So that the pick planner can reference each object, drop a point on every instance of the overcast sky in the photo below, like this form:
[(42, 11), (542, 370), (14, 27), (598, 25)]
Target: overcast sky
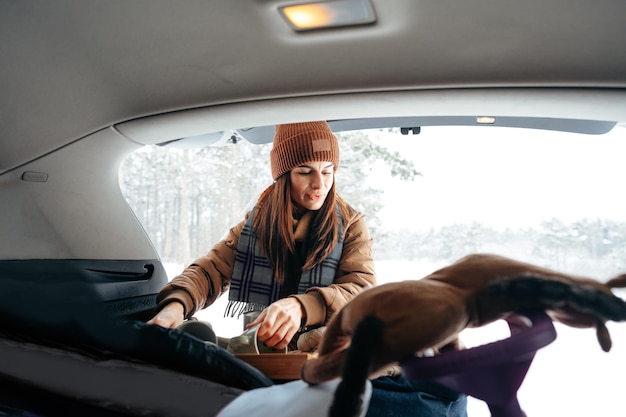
[(506, 178)]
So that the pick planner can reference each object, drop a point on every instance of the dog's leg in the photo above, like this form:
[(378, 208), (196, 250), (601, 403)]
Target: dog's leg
[(358, 365), (574, 305)]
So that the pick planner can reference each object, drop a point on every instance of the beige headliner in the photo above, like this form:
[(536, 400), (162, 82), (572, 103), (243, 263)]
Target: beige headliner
[(71, 68)]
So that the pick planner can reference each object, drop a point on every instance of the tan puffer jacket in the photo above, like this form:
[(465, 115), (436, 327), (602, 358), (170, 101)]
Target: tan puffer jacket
[(208, 277)]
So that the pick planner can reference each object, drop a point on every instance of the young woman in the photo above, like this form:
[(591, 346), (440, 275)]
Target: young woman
[(299, 256)]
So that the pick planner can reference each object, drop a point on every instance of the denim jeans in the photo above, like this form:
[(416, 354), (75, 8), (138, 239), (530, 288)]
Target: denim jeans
[(399, 397)]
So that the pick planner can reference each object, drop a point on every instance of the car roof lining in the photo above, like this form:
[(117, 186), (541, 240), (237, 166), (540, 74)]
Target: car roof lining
[(73, 73), (592, 111)]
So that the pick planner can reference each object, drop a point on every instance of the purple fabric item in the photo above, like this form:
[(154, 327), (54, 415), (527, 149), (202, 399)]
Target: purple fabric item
[(492, 372)]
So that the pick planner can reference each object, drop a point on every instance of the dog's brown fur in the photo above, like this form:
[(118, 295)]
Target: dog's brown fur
[(478, 289)]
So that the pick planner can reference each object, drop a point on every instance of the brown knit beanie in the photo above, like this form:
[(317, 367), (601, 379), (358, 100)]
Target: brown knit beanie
[(299, 143)]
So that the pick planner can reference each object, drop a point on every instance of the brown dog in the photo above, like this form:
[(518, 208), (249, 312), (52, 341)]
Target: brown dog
[(430, 313)]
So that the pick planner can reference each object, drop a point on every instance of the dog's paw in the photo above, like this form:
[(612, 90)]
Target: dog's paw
[(309, 341)]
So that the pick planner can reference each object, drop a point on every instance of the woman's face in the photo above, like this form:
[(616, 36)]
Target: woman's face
[(310, 184)]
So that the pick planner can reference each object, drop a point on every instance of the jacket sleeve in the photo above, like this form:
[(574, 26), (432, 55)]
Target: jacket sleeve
[(206, 278), (355, 273)]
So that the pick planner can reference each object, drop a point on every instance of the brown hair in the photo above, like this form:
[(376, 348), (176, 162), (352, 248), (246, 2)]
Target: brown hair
[(274, 227)]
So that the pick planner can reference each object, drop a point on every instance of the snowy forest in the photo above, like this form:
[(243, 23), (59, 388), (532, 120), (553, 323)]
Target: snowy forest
[(187, 199)]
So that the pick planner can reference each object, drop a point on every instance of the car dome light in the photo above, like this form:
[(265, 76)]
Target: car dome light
[(328, 14), (485, 120)]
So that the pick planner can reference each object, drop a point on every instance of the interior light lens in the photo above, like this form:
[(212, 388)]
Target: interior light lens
[(326, 14), (486, 120)]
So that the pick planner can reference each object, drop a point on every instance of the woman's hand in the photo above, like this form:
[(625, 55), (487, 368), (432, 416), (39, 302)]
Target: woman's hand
[(279, 322), (170, 316)]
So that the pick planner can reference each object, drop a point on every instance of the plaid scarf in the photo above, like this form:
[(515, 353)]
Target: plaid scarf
[(252, 285)]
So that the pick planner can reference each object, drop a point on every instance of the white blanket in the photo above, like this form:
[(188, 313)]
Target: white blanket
[(292, 399)]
